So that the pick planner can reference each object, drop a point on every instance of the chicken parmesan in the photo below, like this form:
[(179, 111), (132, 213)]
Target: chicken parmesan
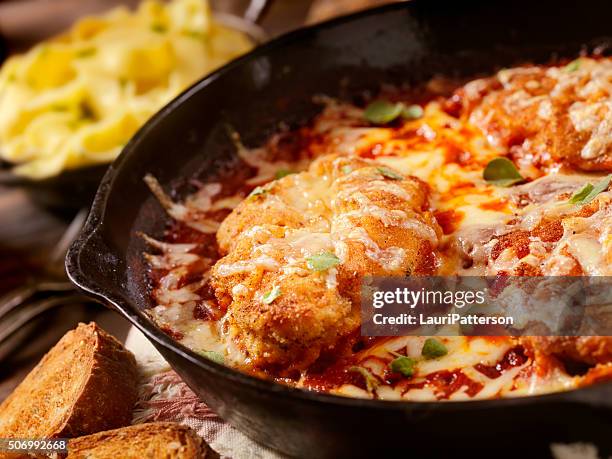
[(507, 175)]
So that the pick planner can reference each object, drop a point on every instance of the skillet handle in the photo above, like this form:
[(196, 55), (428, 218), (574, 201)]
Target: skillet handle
[(89, 263), (92, 267)]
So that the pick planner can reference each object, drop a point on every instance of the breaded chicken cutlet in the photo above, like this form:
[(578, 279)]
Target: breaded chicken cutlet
[(547, 115), (297, 250)]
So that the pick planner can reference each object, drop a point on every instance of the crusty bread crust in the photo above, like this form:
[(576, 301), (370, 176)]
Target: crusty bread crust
[(86, 383), (167, 440)]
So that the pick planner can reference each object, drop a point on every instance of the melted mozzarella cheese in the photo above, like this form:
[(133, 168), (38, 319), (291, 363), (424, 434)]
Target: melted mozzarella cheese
[(450, 157)]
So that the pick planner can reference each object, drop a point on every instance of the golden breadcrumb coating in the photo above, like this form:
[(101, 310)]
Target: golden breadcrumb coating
[(547, 115), (355, 217)]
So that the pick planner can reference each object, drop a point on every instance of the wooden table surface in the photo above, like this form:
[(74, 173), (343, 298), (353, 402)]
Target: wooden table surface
[(27, 235)]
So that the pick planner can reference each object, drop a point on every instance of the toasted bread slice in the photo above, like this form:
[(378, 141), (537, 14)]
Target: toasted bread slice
[(166, 440), (86, 383)]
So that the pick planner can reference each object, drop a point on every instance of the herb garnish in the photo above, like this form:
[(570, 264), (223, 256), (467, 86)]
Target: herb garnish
[(405, 366), (193, 34), (588, 192), (412, 112), (502, 172), (383, 112), (581, 194), (370, 380), (86, 52), (158, 28), (572, 66), (389, 173), (272, 295), (257, 191), (322, 262), (282, 173), (212, 355), (433, 349)]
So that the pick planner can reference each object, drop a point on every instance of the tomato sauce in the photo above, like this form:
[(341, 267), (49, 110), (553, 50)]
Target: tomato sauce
[(515, 357), (498, 205), (449, 220)]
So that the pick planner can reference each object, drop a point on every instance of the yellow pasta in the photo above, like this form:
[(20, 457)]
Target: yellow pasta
[(75, 100)]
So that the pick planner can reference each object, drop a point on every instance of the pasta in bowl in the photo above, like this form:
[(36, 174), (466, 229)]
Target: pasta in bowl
[(75, 100)]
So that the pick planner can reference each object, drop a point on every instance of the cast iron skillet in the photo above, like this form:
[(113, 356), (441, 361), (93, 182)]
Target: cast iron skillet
[(275, 83)]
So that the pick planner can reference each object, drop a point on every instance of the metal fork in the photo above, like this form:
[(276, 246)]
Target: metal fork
[(248, 21), (23, 304)]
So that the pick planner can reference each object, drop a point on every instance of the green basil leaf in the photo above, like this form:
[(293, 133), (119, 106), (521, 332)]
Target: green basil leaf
[(257, 191), (582, 193), (346, 169), (502, 172), (404, 366), (389, 173), (86, 52), (282, 173), (432, 349), (272, 295), (322, 262), (572, 66), (412, 112), (371, 382), (158, 28), (214, 356), (195, 34), (382, 112), (590, 192)]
